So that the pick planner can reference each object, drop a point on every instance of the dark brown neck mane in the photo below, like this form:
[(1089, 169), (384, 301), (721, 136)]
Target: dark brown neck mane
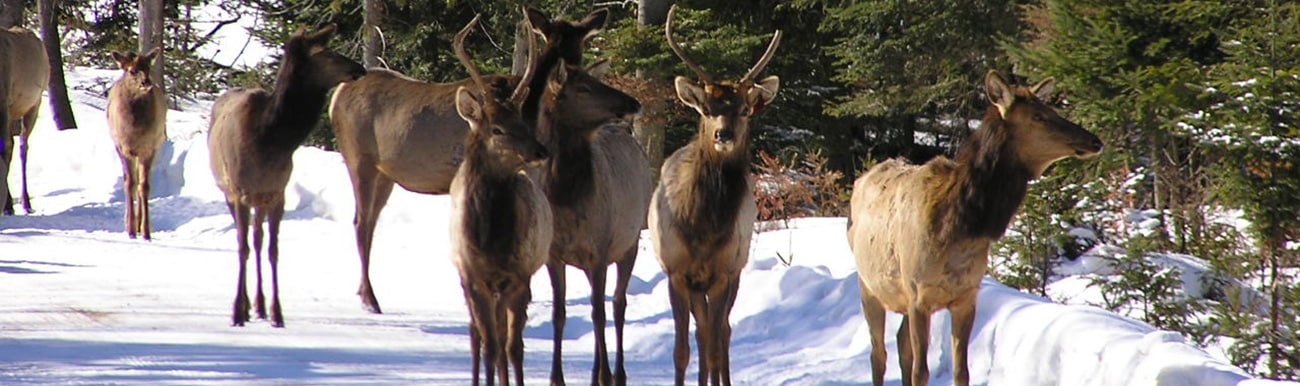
[(989, 185), (490, 201), (719, 184), (569, 173), (294, 107)]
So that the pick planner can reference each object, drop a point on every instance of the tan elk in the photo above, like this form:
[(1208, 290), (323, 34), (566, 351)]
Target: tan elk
[(702, 214), (598, 182), (137, 121), (253, 134), (392, 129), (921, 233), (24, 76), (500, 220)]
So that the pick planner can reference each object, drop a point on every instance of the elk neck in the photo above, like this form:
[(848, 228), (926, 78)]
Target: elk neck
[(294, 108), (569, 175), (714, 185), (989, 184), (490, 203)]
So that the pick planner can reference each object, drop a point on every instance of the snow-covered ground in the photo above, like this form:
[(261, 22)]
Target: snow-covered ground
[(80, 303)]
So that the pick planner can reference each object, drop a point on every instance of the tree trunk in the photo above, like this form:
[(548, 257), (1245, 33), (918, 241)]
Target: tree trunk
[(63, 118), (374, 42), (649, 126), (151, 35), (519, 60), (12, 13)]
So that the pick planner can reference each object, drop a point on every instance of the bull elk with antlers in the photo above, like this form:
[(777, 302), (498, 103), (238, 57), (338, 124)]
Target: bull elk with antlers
[(252, 136), (702, 214), (921, 233), (137, 121), (500, 220), (24, 75), (392, 129)]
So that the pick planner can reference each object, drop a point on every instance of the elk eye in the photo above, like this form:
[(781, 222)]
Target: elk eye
[(498, 131), (1039, 117)]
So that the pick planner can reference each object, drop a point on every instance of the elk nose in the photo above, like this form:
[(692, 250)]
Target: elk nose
[(724, 136), (542, 153)]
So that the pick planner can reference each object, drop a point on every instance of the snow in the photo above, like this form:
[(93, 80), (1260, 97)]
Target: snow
[(83, 304)]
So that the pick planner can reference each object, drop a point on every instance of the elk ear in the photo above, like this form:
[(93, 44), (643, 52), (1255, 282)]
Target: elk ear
[(998, 92), (469, 106), (597, 70), (763, 93), (558, 76), (120, 58), (149, 57), (690, 93), (594, 22), (538, 22), (322, 35), (1044, 88)]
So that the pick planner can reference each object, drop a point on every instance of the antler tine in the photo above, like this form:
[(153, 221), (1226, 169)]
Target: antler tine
[(459, 45), (521, 90), (762, 62), (668, 33)]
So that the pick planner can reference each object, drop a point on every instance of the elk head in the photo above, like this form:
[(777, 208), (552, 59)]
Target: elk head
[(725, 107), (496, 124), (1037, 134), (136, 69), (579, 100), (553, 33), (316, 64)]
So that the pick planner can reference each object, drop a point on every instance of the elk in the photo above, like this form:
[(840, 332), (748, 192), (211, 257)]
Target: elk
[(921, 233), (394, 129), (252, 136), (702, 214), (598, 183), (500, 220), (24, 76), (137, 121)]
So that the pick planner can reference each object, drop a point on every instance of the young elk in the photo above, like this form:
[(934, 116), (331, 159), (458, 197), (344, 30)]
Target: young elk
[(598, 183), (500, 220), (253, 134), (702, 214), (921, 233), (137, 121), (392, 129), (24, 75)]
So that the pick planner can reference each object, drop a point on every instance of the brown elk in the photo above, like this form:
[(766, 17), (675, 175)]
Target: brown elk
[(500, 220), (24, 75), (599, 185), (394, 129), (702, 214), (921, 233), (137, 121), (253, 134)]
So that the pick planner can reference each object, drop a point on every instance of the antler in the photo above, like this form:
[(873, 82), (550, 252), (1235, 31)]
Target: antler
[(459, 45), (668, 32), (521, 90), (762, 62)]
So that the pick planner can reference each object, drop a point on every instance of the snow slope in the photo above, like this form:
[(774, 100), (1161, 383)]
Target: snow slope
[(82, 304)]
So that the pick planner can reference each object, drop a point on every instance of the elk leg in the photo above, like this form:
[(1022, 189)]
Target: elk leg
[(963, 320), (368, 188), (7, 149), (240, 213), (128, 193), (724, 335), (501, 313), (600, 369), (483, 318), (273, 251), (904, 342), (259, 300), (874, 312), (555, 268), (145, 166), (518, 320), (624, 267), (703, 334), (475, 340), (22, 155), (681, 306), (919, 323)]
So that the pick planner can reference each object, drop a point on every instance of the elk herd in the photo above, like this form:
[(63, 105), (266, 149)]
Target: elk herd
[(542, 170)]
